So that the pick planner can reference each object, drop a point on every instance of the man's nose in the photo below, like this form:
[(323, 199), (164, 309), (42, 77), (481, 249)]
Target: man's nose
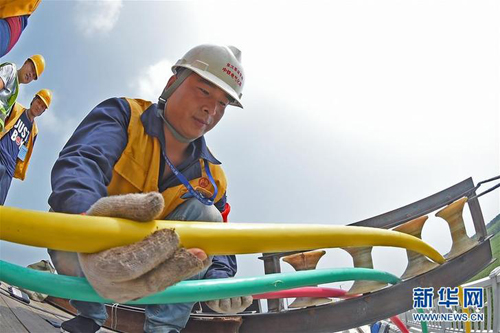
[(210, 108)]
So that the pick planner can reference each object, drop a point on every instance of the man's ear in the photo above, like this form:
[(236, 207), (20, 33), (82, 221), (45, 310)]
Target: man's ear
[(170, 82)]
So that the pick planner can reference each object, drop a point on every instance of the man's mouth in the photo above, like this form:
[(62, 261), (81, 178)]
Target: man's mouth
[(202, 122)]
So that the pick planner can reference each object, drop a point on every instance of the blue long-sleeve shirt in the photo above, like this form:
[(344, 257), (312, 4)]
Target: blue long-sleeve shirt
[(84, 168), (11, 29)]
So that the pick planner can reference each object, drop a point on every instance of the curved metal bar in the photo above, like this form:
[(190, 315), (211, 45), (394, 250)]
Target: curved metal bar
[(419, 208), (369, 308)]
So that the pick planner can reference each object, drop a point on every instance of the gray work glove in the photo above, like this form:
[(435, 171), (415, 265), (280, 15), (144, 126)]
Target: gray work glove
[(134, 271), (230, 305)]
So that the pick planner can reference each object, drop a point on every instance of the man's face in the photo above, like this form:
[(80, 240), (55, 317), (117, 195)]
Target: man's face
[(37, 107), (27, 73), (196, 106)]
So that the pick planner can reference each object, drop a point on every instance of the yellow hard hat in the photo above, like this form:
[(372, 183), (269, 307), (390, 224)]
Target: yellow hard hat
[(39, 63), (46, 96)]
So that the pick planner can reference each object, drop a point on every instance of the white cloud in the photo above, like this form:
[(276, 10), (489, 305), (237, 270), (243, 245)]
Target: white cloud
[(97, 16), (51, 121), (153, 79), (24, 97)]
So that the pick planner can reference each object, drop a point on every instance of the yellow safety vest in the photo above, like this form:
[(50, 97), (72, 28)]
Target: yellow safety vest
[(9, 8), (21, 166), (138, 168)]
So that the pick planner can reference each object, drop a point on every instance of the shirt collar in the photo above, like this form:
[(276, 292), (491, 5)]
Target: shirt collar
[(153, 125)]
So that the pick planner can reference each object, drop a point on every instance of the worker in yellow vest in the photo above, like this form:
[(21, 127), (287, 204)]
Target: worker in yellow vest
[(18, 140), (132, 157), (11, 77)]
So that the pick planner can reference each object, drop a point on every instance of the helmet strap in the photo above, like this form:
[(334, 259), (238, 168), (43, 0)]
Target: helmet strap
[(162, 105)]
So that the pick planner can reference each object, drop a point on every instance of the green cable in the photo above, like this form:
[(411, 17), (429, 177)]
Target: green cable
[(77, 288), (423, 324)]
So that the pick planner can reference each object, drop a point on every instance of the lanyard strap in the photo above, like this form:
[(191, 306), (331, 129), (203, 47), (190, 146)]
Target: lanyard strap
[(184, 181)]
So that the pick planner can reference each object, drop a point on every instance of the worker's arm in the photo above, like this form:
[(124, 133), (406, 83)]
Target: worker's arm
[(84, 168), (7, 73), (11, 29), (222, 267)]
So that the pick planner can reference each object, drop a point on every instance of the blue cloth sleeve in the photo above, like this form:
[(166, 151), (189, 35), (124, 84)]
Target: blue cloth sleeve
[(222, 267), (4, 37), (84, 168), (24, 21), (221, 204)]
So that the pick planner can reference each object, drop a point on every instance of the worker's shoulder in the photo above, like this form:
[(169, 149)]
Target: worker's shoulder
[(7, 65), (7, 68), (137, 102), (18, 106), (115, 109)]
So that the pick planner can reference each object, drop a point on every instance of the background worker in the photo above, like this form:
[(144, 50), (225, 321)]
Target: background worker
[(11, 77), (135, 146), (18, 140), (14, 16)]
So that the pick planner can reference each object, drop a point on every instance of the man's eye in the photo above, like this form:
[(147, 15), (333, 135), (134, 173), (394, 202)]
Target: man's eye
[(203, 91)]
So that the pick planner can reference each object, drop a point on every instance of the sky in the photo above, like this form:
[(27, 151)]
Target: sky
[(351, 108)]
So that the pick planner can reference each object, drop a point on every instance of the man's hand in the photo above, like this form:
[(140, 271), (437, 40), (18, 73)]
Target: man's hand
[(141, 207), (133, 271), (230, 305)]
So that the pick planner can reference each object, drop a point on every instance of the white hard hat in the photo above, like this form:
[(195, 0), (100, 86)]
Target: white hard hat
[(220, 65)]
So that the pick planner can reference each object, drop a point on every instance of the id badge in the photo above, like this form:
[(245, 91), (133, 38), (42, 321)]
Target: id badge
[(22, 153)]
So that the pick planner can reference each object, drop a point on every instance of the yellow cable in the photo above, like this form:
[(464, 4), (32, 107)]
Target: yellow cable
[(464, 310), (88, 234)]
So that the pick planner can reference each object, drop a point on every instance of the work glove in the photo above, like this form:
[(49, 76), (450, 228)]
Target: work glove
[(134, 271), (230, 305)]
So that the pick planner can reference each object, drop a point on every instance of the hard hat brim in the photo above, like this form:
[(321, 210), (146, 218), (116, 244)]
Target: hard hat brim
[(39, 63), (44, 101), (36, 68)]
